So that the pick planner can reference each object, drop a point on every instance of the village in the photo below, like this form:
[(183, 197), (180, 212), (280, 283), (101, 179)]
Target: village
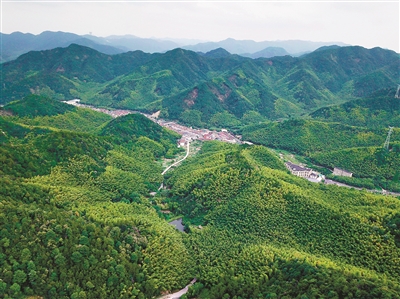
[(188, 134)]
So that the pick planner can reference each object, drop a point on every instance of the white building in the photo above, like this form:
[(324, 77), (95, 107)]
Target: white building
[(298, 170)]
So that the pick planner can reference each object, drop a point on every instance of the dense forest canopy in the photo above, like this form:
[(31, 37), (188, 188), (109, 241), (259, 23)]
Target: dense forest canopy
[(219, 90), (82, 214)]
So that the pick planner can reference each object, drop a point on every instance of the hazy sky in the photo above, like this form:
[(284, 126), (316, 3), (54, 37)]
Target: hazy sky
[(369, 24)]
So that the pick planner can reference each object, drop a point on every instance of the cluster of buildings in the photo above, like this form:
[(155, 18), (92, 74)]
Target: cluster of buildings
[(190, 134), (304, 172), (312, 175)]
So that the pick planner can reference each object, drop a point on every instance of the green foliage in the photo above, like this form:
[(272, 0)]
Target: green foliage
[(81, 226), (132, 126), (191, 118), (363, 161), (356, 149), (266, 232), (252, 117), (10, 129), (224, 119), (262, 156), (366, 183), (180, 80), (309, 137), (80, 120), (34, 105), (378, 110)]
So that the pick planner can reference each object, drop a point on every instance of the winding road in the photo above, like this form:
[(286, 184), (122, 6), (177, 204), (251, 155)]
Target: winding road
[(177, 162), (178, 294), (174, 164)]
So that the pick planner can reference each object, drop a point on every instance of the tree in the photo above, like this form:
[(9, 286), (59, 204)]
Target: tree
[(19, 277), (25, 255)]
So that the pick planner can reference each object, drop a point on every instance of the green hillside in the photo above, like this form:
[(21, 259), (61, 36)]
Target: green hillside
[(278, 87), (75, 219), (43, 112), (34, 105), (268, 234), (381, 109), (309, 137), (357, 149), (64, 73), (366, 162)]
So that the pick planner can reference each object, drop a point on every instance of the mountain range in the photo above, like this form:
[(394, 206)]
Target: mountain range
[(215, 88), (17, 43), (83, 214)]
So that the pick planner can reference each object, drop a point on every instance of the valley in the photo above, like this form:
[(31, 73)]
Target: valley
[(189, 134), (82, 213)]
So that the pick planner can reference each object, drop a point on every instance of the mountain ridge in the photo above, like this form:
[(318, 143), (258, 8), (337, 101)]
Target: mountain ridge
[(17, 43), (277, 87)]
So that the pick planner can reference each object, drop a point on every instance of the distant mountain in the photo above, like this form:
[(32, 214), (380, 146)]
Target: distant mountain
[(17, 43), (233, 46), (133, 43), (216, 88), (267, 53), (217, 53), (323, 48)]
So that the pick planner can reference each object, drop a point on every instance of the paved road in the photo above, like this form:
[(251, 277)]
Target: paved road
[(177, 162), (178, 294), (331, 182), (174, 164)]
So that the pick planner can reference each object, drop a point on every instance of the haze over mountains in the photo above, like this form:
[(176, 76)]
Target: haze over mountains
[(18, 43)]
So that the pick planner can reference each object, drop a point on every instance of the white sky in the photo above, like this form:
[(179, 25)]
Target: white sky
[(363, 23)]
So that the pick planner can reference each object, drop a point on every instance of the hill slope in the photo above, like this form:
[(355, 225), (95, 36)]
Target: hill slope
[(77, 219), (84, 227), (381, 109), (263, 230), (278, 87)]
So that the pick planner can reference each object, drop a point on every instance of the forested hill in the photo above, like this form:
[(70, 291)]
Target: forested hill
[(381, 109), (75, 215), (356, 149), (77, 219), (212, 89), (267, 234)]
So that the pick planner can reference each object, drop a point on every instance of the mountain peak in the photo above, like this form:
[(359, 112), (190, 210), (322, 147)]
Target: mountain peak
[(217, 53)]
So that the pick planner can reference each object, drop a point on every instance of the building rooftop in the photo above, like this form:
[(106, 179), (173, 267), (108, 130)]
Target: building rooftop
[(295, 167)]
